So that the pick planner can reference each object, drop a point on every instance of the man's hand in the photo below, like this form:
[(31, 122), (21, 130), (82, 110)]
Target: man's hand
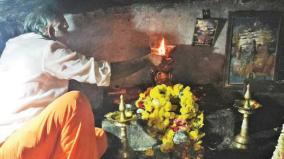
[(125, 68), (154, 59)]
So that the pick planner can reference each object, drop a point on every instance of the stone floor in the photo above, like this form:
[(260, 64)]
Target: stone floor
[(222, 122), (217, 146)]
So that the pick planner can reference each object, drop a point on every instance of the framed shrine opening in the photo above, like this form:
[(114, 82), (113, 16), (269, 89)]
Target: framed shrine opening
[(252, 48)]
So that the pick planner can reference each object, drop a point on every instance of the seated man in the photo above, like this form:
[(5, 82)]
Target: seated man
[(39, 119)]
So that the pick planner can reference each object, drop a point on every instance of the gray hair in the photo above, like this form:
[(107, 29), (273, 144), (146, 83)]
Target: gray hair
[(38, 20)]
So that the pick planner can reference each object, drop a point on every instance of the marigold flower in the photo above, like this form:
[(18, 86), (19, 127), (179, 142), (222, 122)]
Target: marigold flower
[(197, 146), (145, 115), (148, 108), (166, 122), (166, 117), (193, 135), (168, 106)]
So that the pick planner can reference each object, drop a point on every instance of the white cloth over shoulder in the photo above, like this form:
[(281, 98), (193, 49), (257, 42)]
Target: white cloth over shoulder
[(34, 71)]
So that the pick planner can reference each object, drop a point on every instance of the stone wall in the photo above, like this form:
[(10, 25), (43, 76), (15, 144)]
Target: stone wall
[(118, 30), (125, 32)]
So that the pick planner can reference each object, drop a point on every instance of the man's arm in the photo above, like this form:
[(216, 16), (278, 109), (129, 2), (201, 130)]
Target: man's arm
[(63, 63), (126, 68)]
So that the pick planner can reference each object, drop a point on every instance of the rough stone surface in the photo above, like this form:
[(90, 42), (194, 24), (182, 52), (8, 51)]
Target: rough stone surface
[(220, 127), (220, 123), (139, 140)]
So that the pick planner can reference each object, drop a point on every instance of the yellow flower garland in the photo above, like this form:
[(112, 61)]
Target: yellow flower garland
[(169, 109)]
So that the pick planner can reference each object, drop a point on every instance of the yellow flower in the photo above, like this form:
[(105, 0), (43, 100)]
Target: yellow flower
[(163, 101), (173, 115), (186, 90), (145, 115), (167, 141), (160, 126), (148, 108), (197, 122), (196, 135), (161, 87), (154, 114), (186, 102), (193, 135), (166, 122), (176, 90), (169, 91), (200, 118), (183, 116), (154, 93), (156, 102), (197, 146), (160, 114), (142, 95), (166, 147), (147, 101), (167, 114), (168, 106), (170, 133), (184, 110)]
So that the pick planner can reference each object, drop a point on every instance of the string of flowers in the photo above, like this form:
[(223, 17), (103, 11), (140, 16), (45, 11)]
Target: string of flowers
[(172, 115)]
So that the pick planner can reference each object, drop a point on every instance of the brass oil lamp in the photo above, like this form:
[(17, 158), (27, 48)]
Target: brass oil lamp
[(242, 140), (122, 120)]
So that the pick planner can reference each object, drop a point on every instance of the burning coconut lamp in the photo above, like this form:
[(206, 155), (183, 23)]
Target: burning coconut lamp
[(163, 73)]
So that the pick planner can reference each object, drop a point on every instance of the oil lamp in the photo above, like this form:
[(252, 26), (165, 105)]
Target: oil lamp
[(242, 140), (163, 73), (122, 121)]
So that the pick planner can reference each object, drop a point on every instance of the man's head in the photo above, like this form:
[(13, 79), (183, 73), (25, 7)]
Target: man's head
[(48, 22)]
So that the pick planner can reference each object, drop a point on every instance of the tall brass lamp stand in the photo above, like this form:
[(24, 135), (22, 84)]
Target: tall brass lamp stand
[(120, 120), (242, 140)]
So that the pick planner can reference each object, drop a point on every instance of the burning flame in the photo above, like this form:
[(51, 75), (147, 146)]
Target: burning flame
[(162, 48)]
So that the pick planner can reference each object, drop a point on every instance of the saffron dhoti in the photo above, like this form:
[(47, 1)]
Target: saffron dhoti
[(63, 130)]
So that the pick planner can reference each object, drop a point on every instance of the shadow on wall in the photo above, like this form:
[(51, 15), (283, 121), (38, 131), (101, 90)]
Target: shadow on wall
[(197, 65), (110, 37), (113, 37)]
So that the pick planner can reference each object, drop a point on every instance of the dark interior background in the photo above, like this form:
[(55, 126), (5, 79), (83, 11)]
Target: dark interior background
[(117, 30)]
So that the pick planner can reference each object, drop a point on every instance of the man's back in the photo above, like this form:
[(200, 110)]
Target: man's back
[(25, 87)]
